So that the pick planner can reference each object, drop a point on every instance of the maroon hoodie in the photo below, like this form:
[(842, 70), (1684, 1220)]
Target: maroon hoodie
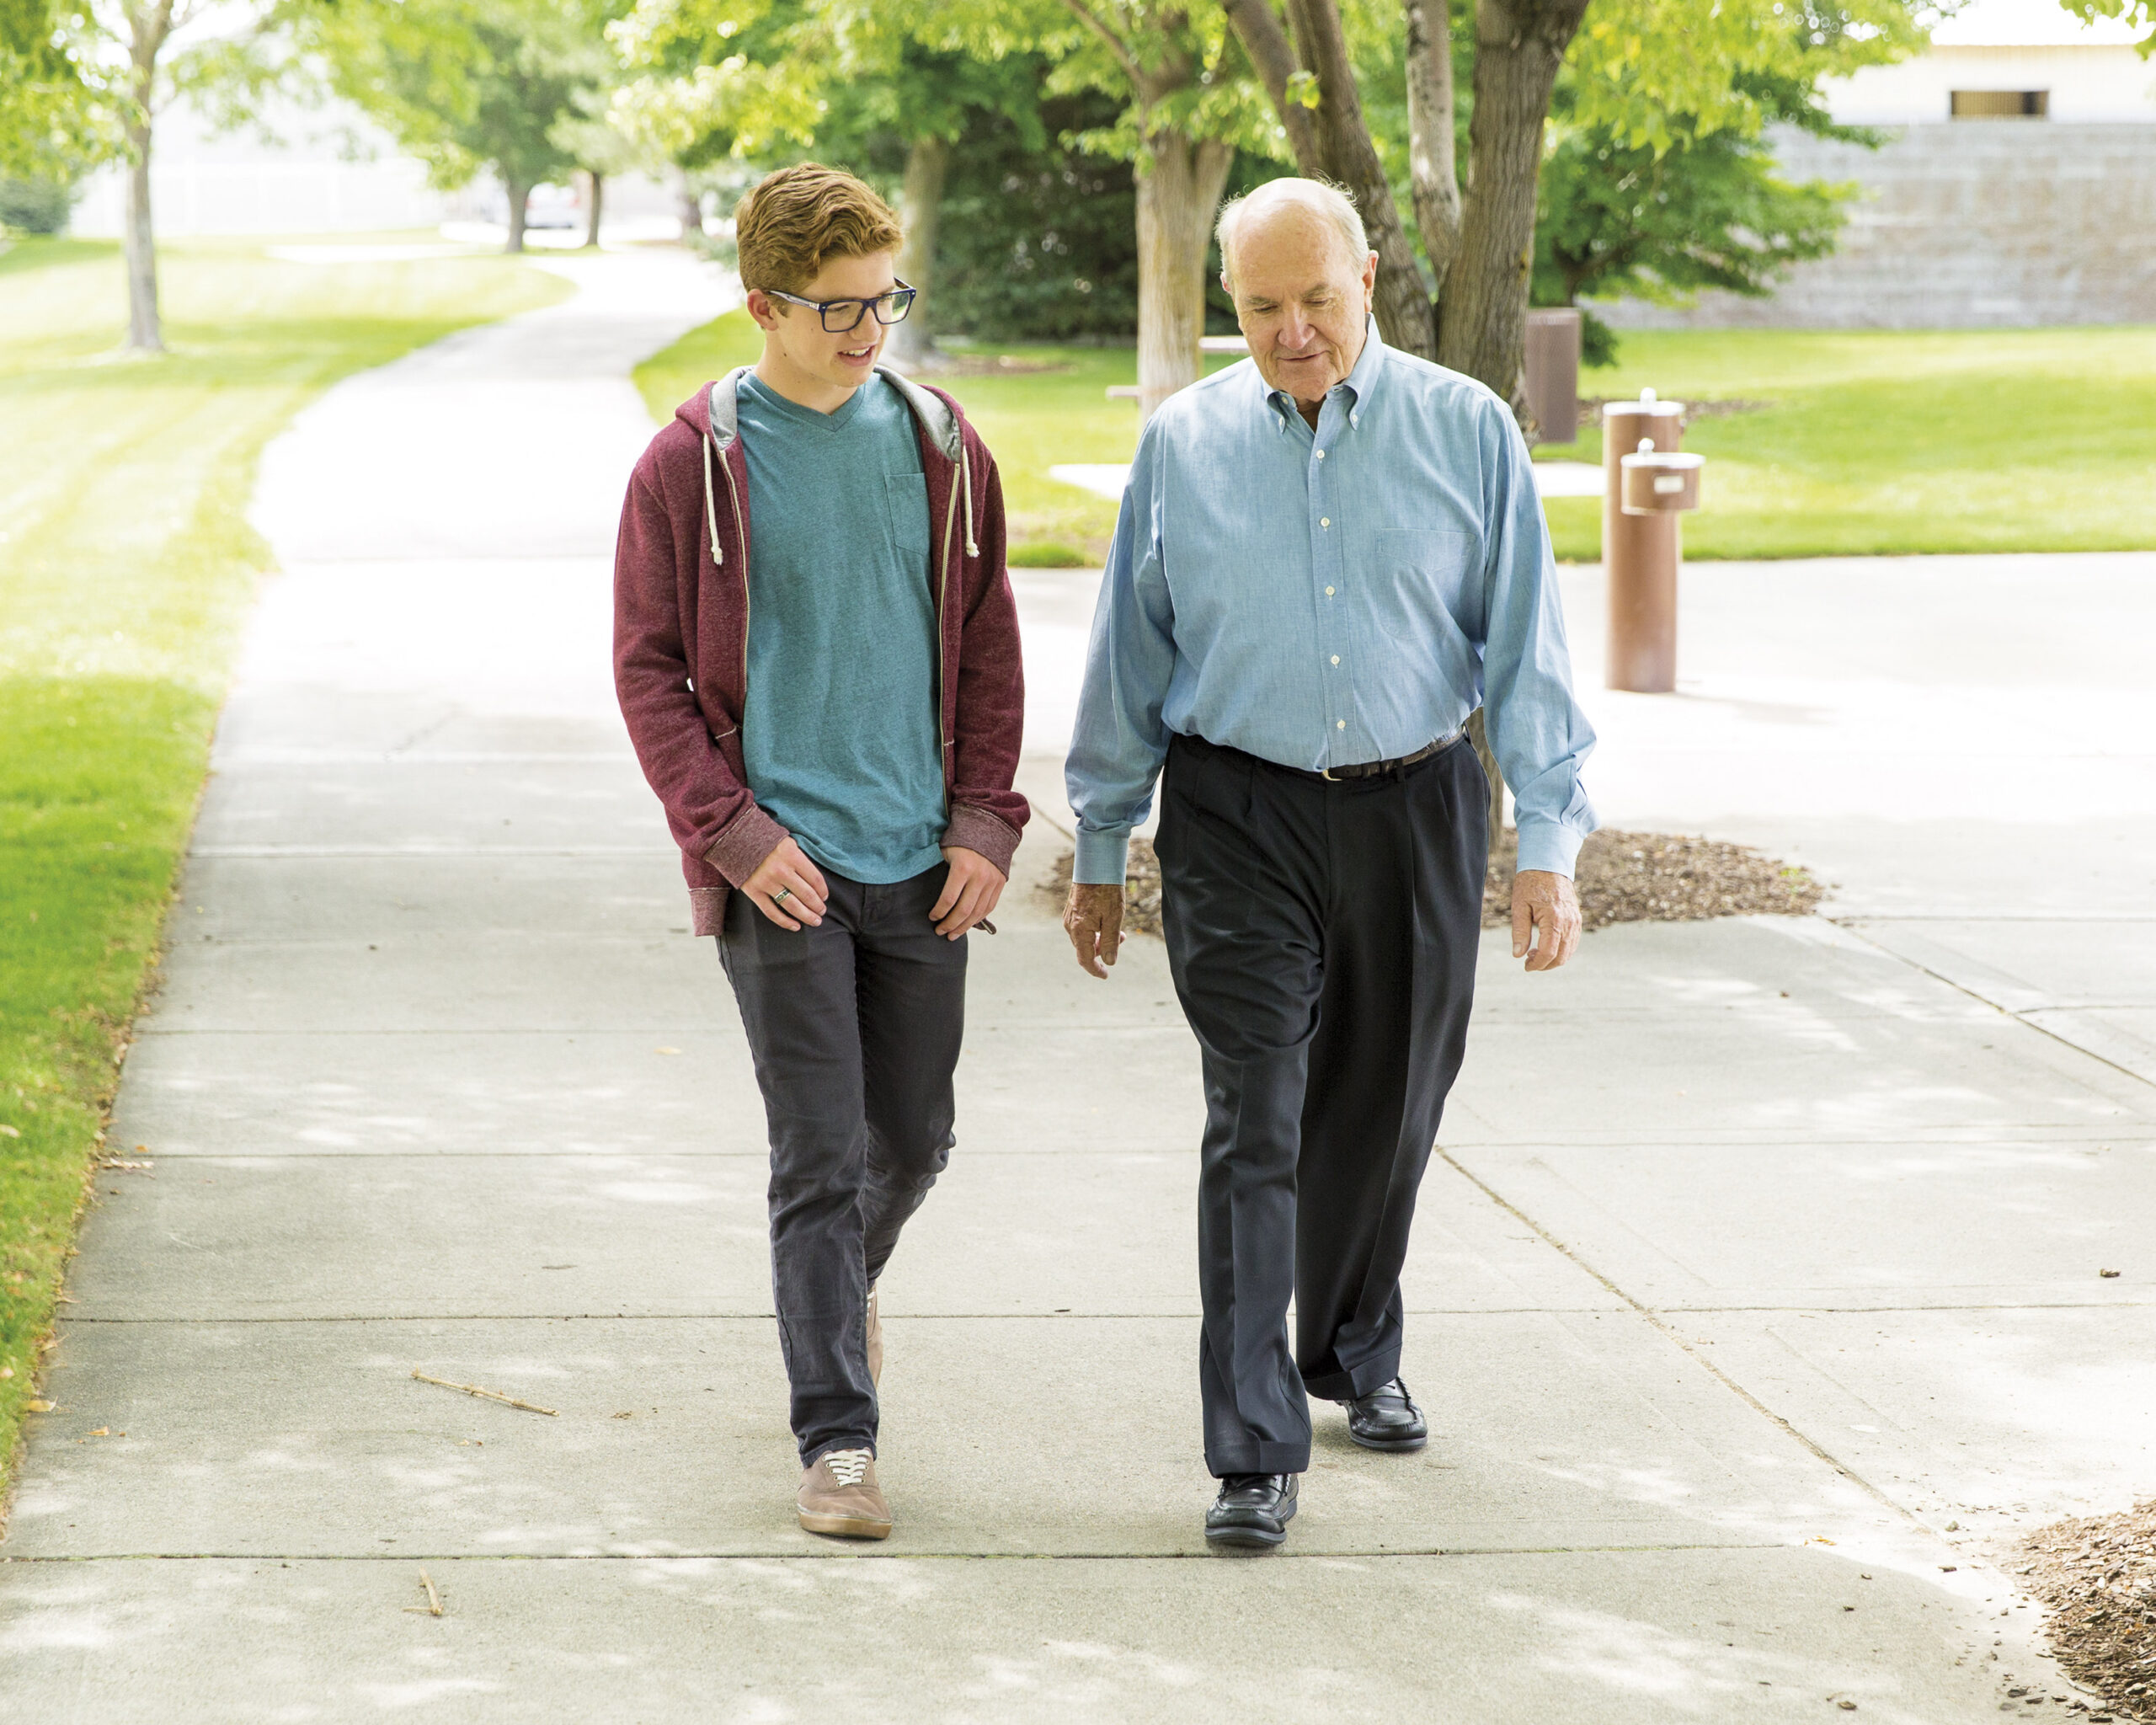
[(681, 638)]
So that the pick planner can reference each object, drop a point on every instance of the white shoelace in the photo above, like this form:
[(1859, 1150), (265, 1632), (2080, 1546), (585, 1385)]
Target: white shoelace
[(847, 1466)]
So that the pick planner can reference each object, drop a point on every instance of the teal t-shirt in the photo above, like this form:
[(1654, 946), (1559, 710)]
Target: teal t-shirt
[(839, 729)]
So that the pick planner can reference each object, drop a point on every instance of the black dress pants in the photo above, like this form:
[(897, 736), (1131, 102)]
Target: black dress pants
[(854, 1026), (1322, 937)]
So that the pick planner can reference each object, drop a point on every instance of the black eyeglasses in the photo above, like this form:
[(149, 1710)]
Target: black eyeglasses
[(890, 308)]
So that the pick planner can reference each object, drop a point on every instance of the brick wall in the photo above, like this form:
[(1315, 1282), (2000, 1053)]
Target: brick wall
[(1962, 225)]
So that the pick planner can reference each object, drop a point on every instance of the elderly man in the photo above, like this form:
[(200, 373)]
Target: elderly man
[(1327, 560)]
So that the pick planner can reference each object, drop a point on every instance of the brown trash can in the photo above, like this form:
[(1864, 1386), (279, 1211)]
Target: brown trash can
[(1553, 372)]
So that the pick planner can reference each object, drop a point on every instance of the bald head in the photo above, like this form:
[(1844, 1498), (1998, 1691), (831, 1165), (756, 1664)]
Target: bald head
[(1294, 259), (1297, 210)]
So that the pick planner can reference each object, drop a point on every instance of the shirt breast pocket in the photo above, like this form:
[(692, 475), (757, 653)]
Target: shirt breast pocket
[(905, 513), (1416, 576)]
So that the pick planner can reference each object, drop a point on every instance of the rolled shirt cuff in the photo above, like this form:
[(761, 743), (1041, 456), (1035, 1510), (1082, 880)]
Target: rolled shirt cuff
[(1103, 857), (1546, 846)]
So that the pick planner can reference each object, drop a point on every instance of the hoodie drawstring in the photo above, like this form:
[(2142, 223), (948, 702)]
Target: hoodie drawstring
[(711, 507), (966, 469)]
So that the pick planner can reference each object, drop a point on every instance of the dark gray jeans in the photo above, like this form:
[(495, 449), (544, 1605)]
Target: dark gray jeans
[(855, 1028)]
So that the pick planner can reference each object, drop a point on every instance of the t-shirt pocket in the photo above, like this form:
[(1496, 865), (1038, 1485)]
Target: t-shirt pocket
[(905, 516)]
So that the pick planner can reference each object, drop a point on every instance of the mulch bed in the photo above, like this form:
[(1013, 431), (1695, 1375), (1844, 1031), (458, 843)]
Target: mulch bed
[(1660, 877), (2097, 1574), (1621, 876)]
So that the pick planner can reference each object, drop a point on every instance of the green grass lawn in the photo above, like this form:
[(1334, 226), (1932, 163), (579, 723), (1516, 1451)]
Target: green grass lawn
[(126, 569), (1875, 442), (1885, 442)]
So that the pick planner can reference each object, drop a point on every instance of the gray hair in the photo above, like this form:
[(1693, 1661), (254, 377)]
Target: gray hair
[(1333, 202)]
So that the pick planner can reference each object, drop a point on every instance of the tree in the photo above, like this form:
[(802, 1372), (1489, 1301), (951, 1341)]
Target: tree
[(1709, 211), (1479, 241), (2141, 12), (1320, 110), (1642, 70), (51, 125), (87, 82), (465, 85)]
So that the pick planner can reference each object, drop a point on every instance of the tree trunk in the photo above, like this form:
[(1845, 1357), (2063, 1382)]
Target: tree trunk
[(920, 206), (519, 195), (145, 324), (598, 198), (1270, 51), (1350, 159), (1518, 47), (1179, 184), (691, 207), (1432, 164), (147, 27), (1332, 141)]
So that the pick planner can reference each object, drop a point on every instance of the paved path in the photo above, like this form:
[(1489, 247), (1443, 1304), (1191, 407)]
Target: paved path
[(1756, 1254)]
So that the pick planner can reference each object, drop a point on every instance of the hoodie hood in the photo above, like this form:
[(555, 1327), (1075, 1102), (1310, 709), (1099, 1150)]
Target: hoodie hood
[(712, 413)]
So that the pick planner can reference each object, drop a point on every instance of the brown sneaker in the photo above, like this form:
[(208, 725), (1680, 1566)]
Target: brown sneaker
[(840, 1495), (875, 1340)]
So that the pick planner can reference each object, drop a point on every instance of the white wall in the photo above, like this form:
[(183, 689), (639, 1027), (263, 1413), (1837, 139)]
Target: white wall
[(2088, 84), (201, 183), (2093, 71), (330, 171)]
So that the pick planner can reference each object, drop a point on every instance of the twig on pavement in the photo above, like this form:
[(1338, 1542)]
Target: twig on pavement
[(491, 1395), (433, 1606)]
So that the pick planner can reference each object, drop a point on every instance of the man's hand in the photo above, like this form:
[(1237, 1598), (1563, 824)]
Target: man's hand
[(970, 893), (1545, 903), (788, 872), (1093, 916)]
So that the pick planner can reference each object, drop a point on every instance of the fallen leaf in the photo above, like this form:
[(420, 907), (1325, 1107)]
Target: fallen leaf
[(676, 1051), (40, 1405), (2107, 1275), (103, 1431), (9, 1132), (6, 1371)]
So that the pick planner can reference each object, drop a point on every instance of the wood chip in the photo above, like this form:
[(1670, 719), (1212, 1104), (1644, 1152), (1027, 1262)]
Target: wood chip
[(490, 1394)]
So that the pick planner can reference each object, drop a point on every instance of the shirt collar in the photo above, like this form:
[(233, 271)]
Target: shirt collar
[(1358, 382)]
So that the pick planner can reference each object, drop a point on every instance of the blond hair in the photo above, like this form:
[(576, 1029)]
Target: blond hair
[(799, 217)]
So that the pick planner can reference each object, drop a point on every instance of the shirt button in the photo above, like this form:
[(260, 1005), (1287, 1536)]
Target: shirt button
[(1328, 592), (1320, 455), (1325, 520), (1340, 725), (1335, 657)]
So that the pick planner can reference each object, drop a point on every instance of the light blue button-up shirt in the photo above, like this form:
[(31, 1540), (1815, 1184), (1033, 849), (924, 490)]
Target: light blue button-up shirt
[(1323, 599)]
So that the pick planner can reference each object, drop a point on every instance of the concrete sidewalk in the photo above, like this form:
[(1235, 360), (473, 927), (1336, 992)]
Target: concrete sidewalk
[(1756, 1253)]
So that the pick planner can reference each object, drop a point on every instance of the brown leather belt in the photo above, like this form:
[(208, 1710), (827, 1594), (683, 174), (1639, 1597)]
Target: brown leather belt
[(1373, 769)]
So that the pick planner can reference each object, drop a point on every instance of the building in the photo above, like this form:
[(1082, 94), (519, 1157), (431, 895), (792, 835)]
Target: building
[(2017, 186)]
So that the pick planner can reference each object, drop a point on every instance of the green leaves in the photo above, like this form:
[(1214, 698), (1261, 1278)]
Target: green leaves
[(1646, 70)]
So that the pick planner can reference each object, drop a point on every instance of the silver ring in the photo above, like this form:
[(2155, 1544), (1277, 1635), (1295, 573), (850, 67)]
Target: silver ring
[(784, 893)]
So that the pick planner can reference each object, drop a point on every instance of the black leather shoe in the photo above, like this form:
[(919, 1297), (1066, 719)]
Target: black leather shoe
[(1252, 1511), (1387, 1418)]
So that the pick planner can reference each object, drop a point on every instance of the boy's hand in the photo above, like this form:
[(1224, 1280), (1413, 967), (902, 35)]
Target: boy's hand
[(968, 894), (787, 885)]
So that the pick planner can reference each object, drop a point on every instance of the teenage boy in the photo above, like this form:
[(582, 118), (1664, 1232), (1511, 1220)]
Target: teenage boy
[(830, 709)]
